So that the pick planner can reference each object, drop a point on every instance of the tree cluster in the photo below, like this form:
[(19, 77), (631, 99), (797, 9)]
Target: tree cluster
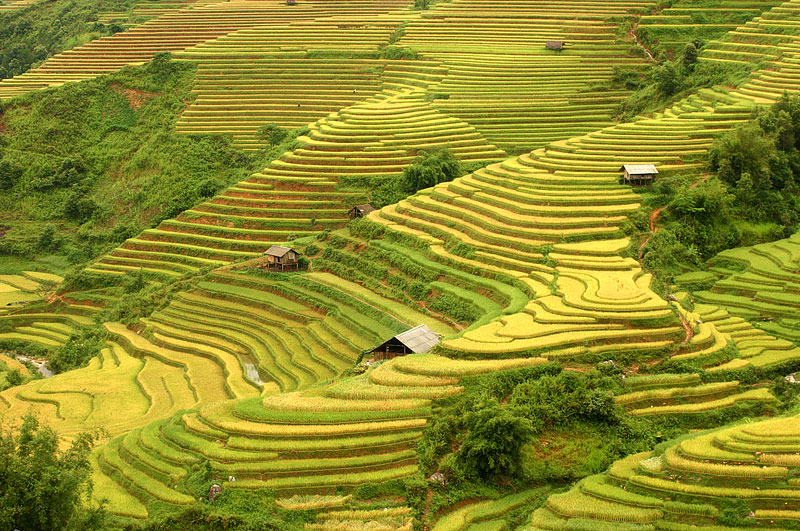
[(428, 169), (31, 35), (44, 488)]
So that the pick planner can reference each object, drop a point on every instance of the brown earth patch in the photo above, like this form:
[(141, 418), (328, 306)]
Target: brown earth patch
[(136, 98)]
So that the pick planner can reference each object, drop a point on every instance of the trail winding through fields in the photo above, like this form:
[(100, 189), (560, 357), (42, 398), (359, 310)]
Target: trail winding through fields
[(632, 33)]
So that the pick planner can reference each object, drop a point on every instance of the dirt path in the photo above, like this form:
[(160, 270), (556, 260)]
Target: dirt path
[(428, 499), (653, 229), (635, 37), (687, 328)]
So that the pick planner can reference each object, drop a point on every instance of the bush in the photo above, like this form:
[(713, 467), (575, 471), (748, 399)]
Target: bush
[(430, 169), (43, 488), (78, 350), (272, 134), (495, 437)]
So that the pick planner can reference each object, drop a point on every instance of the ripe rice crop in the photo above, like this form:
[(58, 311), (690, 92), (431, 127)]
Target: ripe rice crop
[(321, 404), (574, 504), (660, 394), (676, 462), (308, 502), (432, 365), (386, 512)]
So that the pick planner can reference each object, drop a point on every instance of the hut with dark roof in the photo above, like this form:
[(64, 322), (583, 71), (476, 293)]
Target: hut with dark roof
[(638, 174), (414, 341), (279, 257), (555, 45), (359, 211)]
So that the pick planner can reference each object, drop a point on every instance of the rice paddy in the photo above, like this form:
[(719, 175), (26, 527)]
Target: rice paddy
[(251, 372)]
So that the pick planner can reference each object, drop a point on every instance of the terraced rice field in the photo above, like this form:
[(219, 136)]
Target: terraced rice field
[(173, 31), (235, 336), (486, 515), (501, 78), (760, 284), (687, 485), (244, 370), (553, 245), (344, 433), (299, 194), (12, 5), (672, 27), (22, 297)]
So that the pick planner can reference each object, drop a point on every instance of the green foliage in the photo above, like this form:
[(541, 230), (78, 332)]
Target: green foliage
[(669, 81), (495, 437), (43, 487), (398, 53), (735, 513), (90, 164), (31, 35), (564, 399), (78, 350), (272, 134), (760, 164), (428, 169)]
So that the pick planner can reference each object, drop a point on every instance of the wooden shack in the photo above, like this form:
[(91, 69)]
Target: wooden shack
[(414, 341), (638, 174), (291, 2), (555, 45), (281, 258), (359, 211)]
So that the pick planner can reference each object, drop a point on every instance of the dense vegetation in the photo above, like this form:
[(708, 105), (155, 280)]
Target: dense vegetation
[(428, 169), (91, 164), (31, 35), (751, 196), (558, 360), (669, 80), (44, 487)]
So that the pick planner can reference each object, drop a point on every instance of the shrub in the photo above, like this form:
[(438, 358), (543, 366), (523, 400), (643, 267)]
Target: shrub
[(78, 350), (430, 169), (495, 437), (43, 487), (272, 133)]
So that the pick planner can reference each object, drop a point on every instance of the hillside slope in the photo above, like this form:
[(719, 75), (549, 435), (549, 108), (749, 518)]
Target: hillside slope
[(246, 375)]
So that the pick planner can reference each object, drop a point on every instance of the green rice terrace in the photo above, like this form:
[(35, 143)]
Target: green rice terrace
[(446, 265)]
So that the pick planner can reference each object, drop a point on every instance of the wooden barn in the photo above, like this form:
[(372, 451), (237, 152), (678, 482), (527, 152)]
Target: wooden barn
[(359, 211), (555, 45), (417, 340), (281, 257), (638, 174)]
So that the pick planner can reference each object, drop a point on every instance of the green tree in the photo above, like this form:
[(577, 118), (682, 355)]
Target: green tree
[(689, 58), (430, 169), (273, 134), (495, 437), (667, 79), (79, 348), (42, 487), (9, 174)]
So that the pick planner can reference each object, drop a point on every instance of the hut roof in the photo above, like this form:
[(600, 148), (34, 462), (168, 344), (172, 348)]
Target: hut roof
[(418, 339), (639, 169), (365, 209), (277, 250), (554, 45)]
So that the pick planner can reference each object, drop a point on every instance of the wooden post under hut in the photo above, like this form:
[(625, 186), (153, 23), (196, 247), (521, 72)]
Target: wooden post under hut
[(638, 174), (281, 258)]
